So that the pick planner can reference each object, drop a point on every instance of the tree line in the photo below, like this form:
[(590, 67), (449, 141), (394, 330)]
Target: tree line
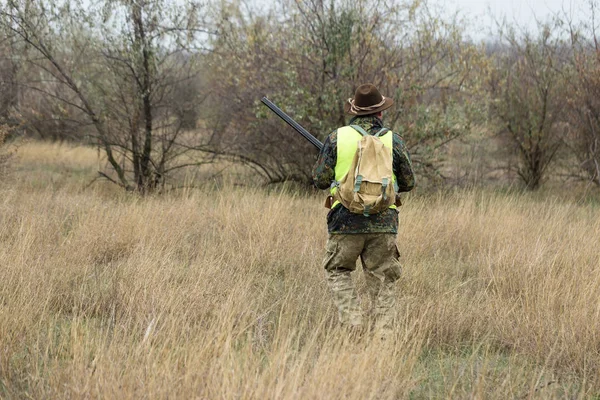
[(159, 86)]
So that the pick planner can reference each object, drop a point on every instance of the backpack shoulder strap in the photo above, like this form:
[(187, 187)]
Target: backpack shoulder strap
[(381, 132), (359, 130)]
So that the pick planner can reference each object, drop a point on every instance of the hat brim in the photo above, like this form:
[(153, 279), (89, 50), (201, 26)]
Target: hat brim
[(387, 104)]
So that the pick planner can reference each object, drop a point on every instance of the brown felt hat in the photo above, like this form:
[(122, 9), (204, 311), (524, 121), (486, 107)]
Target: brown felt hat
[(367, 100)]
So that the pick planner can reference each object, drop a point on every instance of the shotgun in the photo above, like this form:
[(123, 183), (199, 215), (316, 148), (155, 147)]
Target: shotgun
[(313, 140)]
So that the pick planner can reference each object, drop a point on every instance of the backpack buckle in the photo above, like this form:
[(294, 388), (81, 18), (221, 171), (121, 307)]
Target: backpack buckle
[(357, 183), (366, 211)]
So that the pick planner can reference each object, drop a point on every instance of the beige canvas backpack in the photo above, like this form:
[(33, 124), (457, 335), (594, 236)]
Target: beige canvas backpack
[(368, 187)]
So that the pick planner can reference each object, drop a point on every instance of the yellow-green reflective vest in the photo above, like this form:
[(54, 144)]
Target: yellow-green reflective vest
[(347, 143)]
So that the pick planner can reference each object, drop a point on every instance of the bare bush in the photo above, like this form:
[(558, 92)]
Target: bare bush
[(310, 56), (6, 154), (583, 105), (114, 67)]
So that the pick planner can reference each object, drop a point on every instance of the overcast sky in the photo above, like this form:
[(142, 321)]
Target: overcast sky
[(522, 12)]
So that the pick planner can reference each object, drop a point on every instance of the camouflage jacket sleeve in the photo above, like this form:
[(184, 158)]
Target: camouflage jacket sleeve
[(324, 170), (402, 165)]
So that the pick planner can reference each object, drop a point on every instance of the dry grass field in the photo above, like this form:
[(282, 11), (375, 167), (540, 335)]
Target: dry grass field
[(219, 294)]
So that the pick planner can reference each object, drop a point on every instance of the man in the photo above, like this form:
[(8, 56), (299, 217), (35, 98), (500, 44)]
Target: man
[(372, 237)]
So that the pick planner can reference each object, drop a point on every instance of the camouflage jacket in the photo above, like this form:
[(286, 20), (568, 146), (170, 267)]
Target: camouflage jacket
[(339, 219)]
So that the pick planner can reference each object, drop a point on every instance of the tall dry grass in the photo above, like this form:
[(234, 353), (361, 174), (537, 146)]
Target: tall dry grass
[(220, 294)]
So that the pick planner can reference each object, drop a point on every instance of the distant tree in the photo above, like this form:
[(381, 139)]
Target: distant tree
[(8, 74), (583, 105), (526, 85), (115, 66)]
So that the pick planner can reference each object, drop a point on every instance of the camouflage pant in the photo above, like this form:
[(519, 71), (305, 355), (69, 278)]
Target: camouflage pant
[(381, 266)]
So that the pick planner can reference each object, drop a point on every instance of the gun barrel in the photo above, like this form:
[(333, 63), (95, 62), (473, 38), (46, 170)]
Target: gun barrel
[(315, 142)]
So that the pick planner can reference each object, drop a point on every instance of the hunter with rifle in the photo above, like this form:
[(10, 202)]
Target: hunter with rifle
[(365, 166)]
